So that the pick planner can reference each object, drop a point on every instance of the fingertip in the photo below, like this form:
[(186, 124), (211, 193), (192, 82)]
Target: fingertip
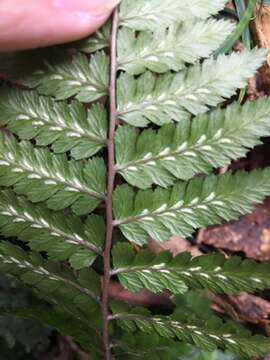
[(97, 7), (111, 4), (50, 22)]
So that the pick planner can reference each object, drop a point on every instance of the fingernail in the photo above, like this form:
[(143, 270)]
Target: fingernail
[(109, 5), (86, 5), (86, 17), (71, 4)]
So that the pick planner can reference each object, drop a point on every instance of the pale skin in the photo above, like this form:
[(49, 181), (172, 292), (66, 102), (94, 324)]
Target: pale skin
[(29, 24)]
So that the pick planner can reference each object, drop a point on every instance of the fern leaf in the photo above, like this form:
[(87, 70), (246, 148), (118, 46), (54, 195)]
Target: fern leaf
[(208, 335), (62, 236), (67, 324), (141, 345), (180, 151), (68, 127), (98, 41), (170, 49), (152, 14), (49, 278), (64, 76), (145, 271), (42, 176), (161, 99), (179, 210), (213, 272)]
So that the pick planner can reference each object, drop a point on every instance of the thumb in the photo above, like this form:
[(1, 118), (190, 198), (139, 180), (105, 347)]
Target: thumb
[(38, 23)]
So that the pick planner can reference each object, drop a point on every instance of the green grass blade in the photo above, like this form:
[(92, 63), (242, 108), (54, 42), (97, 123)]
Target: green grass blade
[(242, 25)]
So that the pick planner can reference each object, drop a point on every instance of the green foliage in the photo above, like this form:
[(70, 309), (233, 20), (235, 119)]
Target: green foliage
[(134, 346), (180, 44), (77, 294), (190, 147), (68, 127), (74, 298), (98, 41), (154, 14), (29, 333), (41, 176), (160, 213), (26, 335), (64, 76), (206, 333), (213, 271), (62, 236), (66, 323), (53, 157), (173, 96)]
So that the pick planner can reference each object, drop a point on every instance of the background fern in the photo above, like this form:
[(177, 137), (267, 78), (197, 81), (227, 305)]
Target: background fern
[(23, 336), (151, 119)]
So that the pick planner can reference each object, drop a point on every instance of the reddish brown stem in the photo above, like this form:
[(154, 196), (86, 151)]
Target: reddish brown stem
[(142, 298), (111, 177)]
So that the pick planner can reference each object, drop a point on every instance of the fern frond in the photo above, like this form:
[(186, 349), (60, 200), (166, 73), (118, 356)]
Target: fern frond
[(53, 282), (162, 70), (140, 345), (42, 176), (213, 272), (161, 99), (75, 297), (145, 271), (180, 151), (132, 346), (153, 14), (97, 41), (62, 236), (68, 127), (170, 49), (179, 210), (207, 335), (67, 324), (63, 76)]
